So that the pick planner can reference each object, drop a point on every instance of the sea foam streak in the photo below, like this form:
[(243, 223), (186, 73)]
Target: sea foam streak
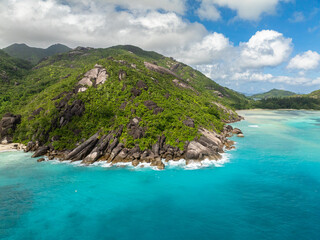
[(171, 164)]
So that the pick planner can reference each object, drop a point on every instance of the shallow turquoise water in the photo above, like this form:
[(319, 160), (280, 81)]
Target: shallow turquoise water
[(269, 189)]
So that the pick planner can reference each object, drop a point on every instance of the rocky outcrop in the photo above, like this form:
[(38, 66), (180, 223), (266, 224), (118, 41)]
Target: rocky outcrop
[(41, 160), (207, 146), (41, 151), (67, 112), (84, 149), (238, 132), (219, 94), (8, 125), (153, 106), (142, 85), (94, 77), (232, 116), (135, 130), (122, 75), (189, 122), (182, 84), (159, 69), (107, 147), (136, 92)]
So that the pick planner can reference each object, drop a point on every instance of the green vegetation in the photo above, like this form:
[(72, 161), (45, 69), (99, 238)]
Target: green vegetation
[(274, 93), (314, 94), (179, 92), (113, 104), (34, 55), (12, 68), (301, 102)]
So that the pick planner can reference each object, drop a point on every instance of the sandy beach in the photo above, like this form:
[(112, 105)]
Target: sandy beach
[(11, 147)]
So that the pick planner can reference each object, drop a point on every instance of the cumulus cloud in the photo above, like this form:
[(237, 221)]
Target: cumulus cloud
[(158, 26), (212, 47), (178, 6), (306, 61), (245, 9), (208, 11), (97, 24), (266, 48), (248, 62)]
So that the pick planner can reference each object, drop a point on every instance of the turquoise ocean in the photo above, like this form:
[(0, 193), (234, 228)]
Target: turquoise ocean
[(267, 188)]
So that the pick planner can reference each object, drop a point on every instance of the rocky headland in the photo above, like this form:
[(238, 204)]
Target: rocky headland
[(119, 105), (107, 147)]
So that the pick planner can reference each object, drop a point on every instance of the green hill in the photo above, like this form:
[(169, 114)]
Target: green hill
[(314, 94), (131, 98), (34, 55), (12, 69), (274, 93)]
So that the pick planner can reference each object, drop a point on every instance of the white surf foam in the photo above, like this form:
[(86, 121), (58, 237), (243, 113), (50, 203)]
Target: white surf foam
[(253, 126), (171, 164)]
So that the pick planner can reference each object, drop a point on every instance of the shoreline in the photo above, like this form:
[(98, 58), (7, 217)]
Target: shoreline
[(108, 149), (169, 164), (205, 157), (277, 109), (11, 147)]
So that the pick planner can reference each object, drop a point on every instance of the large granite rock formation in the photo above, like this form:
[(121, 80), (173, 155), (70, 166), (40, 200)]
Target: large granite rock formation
[(8, 125)]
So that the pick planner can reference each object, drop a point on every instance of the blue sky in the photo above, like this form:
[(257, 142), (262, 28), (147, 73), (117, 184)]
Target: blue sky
[(249, 45)]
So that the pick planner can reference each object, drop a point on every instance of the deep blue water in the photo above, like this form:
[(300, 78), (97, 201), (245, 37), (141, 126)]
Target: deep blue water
[(269, 189)]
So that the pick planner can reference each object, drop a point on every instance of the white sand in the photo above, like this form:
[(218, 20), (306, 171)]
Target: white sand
[(10, 147)]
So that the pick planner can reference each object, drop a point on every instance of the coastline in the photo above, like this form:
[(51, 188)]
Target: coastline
[(108, 150), (11, 147), (208, 150), (277, 109)]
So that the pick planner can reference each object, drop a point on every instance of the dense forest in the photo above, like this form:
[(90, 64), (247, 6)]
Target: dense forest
[(301, 102)]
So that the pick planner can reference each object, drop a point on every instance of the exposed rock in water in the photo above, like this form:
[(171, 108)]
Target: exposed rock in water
[(41, 152), (84, 149), (41, 160), (236, 131), (158, 163), (108, 148)]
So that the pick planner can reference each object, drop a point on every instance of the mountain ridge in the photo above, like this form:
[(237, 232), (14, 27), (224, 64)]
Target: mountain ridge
[(272, 94), (34, 54)]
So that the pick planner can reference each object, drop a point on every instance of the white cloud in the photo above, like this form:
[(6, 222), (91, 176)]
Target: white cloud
[(97, 24), (246, 9), (297, 17), (266, 48), (247, 63), (305, 61), (155, 26), (178, 6), (212, 47), (208, 11)]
